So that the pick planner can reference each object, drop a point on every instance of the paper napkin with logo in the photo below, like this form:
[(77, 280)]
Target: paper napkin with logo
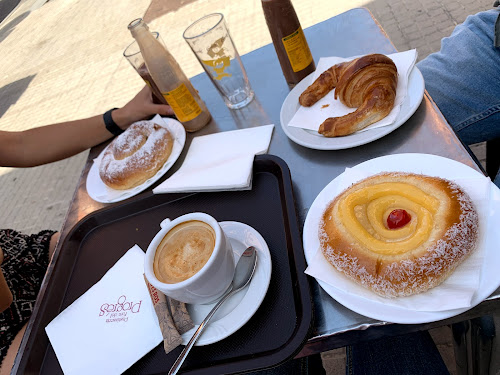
[(111, 326), (219, 161)]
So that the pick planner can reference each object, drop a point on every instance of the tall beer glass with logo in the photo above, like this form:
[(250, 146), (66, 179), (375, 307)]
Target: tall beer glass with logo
[(210, 41)]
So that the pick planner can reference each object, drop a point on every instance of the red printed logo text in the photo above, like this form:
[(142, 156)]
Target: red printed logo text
[(119, 311)]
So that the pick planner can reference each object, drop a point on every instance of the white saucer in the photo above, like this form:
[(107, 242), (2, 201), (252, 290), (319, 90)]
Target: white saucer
[(100, 192), (238, 309)]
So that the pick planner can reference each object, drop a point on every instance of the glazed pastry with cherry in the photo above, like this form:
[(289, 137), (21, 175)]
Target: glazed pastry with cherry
[(399, 234)]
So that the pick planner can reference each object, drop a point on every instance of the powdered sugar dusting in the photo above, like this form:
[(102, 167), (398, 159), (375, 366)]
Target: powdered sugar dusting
[(135, 149), (413, 274), (128, 143)]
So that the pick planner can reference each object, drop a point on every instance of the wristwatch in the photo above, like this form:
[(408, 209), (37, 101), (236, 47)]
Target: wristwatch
[(110, 124)]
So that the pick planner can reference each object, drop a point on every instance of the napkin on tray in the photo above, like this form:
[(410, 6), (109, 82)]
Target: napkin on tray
[(455, 292), (312, 117), (219, 161), (109, 327)]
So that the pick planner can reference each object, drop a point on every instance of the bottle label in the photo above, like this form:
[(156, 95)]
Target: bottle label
[(182, 103), (297, 50)]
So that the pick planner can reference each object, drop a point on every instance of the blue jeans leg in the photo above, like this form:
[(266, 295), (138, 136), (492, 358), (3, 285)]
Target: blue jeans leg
[(463, 78), (411, 354)]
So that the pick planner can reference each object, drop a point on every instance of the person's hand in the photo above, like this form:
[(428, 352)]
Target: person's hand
[(139, 108)]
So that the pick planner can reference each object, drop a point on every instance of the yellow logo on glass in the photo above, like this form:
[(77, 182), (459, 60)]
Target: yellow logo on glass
[(220, 60)]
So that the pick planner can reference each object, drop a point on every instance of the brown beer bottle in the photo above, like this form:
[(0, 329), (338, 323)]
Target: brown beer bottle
[(175, 87), (289, 41), (157, 96)]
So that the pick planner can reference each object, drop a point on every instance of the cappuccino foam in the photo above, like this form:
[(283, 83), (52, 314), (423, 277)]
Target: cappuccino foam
[(183, 251)]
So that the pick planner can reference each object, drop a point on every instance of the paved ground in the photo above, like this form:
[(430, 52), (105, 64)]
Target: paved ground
[(62, 60)]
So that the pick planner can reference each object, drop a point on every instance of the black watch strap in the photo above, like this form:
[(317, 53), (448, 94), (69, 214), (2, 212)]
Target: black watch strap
[(110, 124)]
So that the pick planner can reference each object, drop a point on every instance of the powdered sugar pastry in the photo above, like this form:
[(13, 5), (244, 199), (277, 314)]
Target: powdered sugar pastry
[(135, 155)]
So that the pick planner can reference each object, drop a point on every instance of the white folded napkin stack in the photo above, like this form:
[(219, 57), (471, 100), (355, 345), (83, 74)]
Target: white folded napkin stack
[(311, 117), (111, 326), (456, 292), (219, 161)]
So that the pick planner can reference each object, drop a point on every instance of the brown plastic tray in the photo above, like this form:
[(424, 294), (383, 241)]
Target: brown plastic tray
[(272, 336)]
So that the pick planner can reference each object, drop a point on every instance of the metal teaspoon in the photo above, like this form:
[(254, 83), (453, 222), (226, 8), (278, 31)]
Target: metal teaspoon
[(243, 273)]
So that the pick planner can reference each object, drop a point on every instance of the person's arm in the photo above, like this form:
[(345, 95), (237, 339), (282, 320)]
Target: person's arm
[(50, 143)]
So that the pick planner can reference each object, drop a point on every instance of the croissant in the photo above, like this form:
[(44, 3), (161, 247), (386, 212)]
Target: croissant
[(367, 83)]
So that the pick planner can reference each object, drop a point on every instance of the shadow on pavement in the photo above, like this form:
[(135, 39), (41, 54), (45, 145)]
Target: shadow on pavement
[(11, 93), (158, 8), (7, 29)]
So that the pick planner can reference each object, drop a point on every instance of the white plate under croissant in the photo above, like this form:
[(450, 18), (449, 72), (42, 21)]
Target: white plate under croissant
[(312, 139), (100, 192)]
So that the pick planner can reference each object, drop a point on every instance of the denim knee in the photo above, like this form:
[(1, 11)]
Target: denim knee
[(462, 78)]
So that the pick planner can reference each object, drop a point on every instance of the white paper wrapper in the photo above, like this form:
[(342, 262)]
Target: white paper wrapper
[(312, 117), (455, 292)]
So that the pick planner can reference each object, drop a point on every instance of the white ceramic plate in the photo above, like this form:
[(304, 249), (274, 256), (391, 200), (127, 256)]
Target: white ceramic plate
[(312, 139), (100, 192), (238, 309), (417, 163)]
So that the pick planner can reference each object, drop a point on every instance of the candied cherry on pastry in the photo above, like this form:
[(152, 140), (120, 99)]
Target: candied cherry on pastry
[(398, 219)]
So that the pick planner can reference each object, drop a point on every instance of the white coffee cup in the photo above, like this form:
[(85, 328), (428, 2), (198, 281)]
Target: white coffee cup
[(211, 281)]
